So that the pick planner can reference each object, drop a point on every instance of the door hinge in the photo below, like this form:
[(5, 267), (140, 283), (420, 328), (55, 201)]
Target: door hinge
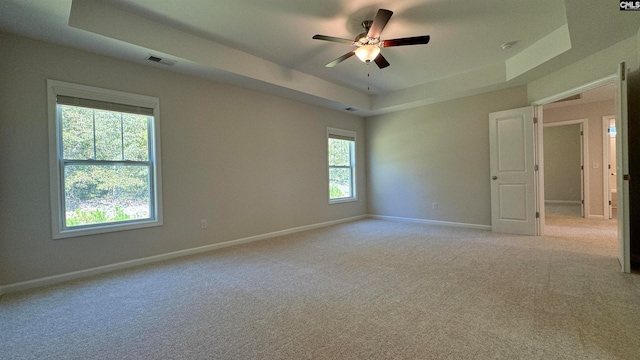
[(609, 166), (623, 71), (581, 167), (581, 133), (582, 202), (626, 177), (536, 168), (609, 202), (537, 214), (535, 119)]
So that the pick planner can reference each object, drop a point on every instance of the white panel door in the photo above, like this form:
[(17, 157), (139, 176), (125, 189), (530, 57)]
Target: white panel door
[(512, 152), (622, 171)]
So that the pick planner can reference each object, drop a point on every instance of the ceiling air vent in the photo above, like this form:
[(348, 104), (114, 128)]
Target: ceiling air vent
[(161, 60)]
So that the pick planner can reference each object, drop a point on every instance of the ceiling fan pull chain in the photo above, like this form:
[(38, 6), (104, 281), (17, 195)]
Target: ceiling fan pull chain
[(368, 78)]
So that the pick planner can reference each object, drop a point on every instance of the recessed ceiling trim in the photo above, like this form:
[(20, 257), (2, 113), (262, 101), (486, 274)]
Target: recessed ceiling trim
[(114, 23), (543, 50), (465, 84)]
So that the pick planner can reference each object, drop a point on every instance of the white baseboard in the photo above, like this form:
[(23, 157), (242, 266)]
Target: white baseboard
[(55, 279), (433, 222), (568, 202)]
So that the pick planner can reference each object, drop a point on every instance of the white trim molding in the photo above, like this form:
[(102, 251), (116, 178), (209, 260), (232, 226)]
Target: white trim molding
[(577, 90), (56, 88), (569, 202), (56, 279), (584, 156), (349, 135), (432, 222)]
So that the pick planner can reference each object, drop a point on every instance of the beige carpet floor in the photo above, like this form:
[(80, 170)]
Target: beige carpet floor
[(371, 289)]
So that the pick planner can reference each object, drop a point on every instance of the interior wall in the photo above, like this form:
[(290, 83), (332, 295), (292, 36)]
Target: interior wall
[(592, 68), (594, 112), (248, 162), (435, 154), (562, 173)]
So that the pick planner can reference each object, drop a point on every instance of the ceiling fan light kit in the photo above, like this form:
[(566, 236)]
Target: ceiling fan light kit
[(367, 53), (368, 44)]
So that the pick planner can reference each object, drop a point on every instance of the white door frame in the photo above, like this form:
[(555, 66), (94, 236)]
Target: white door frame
[(611, 79), (622, 168), (539, 177), (584, 158), (624, 221)]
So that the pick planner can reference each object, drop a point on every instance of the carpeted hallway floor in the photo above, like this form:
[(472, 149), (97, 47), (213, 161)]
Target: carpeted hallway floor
[(564, 221), (371, 289)]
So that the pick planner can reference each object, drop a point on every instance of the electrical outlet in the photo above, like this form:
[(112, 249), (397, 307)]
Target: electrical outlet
[(203, 224), (434, 205)]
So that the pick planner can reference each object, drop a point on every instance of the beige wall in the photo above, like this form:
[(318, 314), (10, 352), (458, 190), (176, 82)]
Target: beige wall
[(593, 112), (436, 153), (250, 163), (562, 152)]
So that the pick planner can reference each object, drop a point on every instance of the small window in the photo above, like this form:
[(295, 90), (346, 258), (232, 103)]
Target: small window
[(342, 165), (105, 169)]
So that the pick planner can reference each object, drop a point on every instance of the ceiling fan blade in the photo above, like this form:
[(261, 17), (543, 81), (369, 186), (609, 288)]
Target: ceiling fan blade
[(379, 22), (416, 40), (341, 59), (381, 61), (334, 39)]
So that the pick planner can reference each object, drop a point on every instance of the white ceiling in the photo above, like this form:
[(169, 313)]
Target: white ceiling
[(267, 45)]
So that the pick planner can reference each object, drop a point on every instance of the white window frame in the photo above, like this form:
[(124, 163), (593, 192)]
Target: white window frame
[(344, 134), (55, 88)]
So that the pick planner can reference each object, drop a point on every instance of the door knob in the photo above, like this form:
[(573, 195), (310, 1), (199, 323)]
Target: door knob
[(494, 178)]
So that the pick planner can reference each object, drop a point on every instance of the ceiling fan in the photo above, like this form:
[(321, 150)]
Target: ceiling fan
[(368, 44)]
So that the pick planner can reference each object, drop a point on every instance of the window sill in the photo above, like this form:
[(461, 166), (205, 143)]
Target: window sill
[(342, 200), (108, 228)]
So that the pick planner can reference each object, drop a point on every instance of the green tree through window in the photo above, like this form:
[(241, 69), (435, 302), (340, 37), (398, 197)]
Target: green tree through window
[(104, 161), (341, 150), (105, 156)]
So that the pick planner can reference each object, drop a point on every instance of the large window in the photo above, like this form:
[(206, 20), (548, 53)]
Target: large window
[(342, 164), (105, 169)]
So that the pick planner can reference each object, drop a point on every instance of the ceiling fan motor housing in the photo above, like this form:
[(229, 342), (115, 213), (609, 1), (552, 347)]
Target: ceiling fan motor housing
[(367, 25), (362, 38)]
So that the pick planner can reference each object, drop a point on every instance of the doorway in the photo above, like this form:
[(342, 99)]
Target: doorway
[(610, 179), (516, 126), (593, 106), (589, 107), (564, 158)]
